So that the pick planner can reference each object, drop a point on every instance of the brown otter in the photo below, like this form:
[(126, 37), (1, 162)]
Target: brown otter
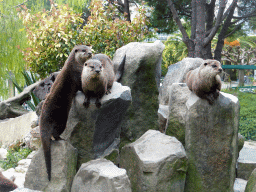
[(205, 81), (57, 104), (97, 78), (6, 185)]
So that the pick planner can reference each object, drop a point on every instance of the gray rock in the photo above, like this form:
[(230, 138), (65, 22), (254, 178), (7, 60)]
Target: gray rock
[(251, 184), (3, 153), (101, 175), (35, 141), (239, 185), (177, 74), (163, 114), (31, 155), (142, 73), (64, 160), (178, 96), (241, 140), (23, 165), (246, 162), (95, 132), (25, 190), (155, 163), (211, 143)]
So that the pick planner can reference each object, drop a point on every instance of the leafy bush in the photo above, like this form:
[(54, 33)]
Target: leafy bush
[(51, 37), (14, 155), (107, 29), (247, 122), (52, 34), (175, 50)]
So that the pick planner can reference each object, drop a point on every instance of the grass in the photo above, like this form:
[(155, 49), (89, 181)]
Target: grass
[(247, 122)]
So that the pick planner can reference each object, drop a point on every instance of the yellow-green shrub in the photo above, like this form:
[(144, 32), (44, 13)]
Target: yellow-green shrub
[(52, 34)]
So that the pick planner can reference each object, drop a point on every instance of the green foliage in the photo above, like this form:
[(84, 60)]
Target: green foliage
[(247, 123), (175, 50), (14, 156), (11, 59), (161, 16), (52, 34), (107, 30)]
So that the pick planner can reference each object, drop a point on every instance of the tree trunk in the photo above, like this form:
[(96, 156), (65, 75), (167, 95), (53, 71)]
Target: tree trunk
[(241, 78), (127, 10), (200, 29)]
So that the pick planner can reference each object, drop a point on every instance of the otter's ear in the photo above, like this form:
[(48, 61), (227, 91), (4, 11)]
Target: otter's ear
[(205, 63), (76, 50), (85, 64), (90, 46)]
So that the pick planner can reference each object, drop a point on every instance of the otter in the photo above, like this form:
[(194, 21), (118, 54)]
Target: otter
[(6, 185), (58, 101), (97, 78), (205, 81)]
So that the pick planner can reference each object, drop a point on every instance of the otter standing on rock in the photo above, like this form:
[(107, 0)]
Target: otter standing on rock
[(6, 185), (205, 81), (97, 78), (57, 104)]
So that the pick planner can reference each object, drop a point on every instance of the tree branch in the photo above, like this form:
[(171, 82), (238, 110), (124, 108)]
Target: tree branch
[(237, 27), (234, 3), (217, 24), (177, 19)]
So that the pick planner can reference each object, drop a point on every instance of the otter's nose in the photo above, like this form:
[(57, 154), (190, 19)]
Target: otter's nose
[(220, 70), (97, 70)]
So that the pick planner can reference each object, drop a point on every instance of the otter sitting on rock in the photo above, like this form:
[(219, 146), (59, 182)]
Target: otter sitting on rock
[(97, 78), (205, 81)]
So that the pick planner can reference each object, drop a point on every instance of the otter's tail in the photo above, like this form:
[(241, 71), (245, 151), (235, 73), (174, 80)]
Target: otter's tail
[(120, 71), (46, 142)]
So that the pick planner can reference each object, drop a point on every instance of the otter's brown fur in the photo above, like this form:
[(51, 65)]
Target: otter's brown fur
[(205, 81), (57, 104), (6, 185), (97, 78)]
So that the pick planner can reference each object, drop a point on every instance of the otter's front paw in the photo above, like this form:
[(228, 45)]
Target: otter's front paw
[(86, 104)]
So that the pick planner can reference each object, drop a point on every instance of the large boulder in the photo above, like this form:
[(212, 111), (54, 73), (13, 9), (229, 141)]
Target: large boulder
[(246, 162), (101, 175), (178, 96), (177, 74), (96, 132), (211, 143), (142, 73), (155, 162), (64, 161), (251, 184)]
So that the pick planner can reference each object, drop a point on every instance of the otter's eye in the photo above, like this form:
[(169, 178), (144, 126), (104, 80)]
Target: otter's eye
[(85, 64), (92, 67), (214, 66), (76, 50), (83, 50)]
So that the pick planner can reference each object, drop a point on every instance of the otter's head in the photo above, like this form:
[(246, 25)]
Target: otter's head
[(212, 67), (94, 67), (82, 53)]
